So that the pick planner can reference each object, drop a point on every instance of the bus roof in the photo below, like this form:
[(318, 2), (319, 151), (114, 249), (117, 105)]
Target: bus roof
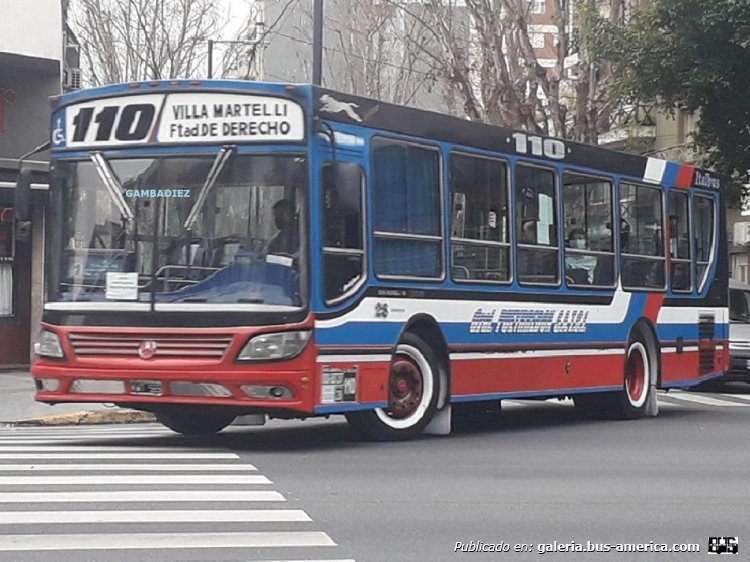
[(424, 124)]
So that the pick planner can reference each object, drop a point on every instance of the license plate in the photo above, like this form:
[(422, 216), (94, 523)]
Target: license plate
[(150, 387)]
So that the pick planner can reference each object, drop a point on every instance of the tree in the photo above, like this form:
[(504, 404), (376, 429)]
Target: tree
[(377, 51), (370, 48), (131, 40), (692, 55), (518, 63), (522, 64)]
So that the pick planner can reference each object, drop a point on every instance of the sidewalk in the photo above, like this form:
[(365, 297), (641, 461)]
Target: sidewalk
[(18, 407)]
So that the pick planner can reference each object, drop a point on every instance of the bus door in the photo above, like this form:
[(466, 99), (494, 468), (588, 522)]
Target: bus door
[(342, 221)]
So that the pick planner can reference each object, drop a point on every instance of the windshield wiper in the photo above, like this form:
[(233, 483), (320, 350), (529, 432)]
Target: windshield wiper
[(218, 165), (113, 186)]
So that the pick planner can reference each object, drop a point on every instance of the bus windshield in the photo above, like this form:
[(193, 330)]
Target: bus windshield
[(199, 229)]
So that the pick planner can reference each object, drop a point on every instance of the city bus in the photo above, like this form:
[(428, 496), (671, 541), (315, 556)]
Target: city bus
[(217, 249)]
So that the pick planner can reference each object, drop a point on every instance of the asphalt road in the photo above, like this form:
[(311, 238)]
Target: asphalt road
[(536, 475)]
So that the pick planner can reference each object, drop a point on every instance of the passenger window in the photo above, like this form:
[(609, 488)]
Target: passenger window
[(589, 244), (479, 219), (704, 237), (642, 237), (536, 226), (406, 188), (343, 250), (679, 242)]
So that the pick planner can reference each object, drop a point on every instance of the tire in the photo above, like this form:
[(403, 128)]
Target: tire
[(630, 402), (194, 421), (414, 387)]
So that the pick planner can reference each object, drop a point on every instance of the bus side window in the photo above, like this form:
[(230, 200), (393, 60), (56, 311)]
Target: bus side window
[(589, 248), (704, 236), (480, 248), (679, 241), (643, 260), (343, 250), (536, 225), (407, 211)]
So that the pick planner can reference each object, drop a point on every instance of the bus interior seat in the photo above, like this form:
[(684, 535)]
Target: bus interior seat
[(603, 273), (460, 272), (577, 276)]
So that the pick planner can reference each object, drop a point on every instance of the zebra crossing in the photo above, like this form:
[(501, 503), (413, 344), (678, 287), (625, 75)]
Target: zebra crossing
[(70, 490)]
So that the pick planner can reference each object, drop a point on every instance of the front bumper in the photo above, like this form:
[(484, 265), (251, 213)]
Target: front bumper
[(243, 390)]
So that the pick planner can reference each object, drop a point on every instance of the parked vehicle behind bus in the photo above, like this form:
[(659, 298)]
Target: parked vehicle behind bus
[(739, 332)]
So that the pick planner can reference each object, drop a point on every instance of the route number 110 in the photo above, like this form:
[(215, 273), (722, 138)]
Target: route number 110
[(538, 146)]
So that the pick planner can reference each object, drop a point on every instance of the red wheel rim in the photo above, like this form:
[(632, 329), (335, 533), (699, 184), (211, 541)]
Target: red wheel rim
[(635, 379)]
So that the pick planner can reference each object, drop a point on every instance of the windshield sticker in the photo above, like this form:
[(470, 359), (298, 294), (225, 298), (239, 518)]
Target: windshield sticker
[(528, 321), (121, 286)]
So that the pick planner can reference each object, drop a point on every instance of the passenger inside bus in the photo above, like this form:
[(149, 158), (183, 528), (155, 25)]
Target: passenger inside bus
[(286, 240), (579, 268)]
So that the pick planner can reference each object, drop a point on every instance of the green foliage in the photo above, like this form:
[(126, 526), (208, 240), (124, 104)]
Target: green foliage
[(693, 55)]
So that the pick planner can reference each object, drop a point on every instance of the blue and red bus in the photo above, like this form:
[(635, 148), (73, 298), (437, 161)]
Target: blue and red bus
[(226, 248)]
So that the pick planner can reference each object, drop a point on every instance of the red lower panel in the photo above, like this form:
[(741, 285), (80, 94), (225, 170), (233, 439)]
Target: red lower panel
[(534, 374), (680, 367)]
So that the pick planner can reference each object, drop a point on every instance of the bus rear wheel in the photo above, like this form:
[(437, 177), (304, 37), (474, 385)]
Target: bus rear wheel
[(413, 390), (629, 403), (191, 420)]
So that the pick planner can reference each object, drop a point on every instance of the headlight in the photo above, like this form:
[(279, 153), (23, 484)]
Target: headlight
[(268, 347), (49, 345)]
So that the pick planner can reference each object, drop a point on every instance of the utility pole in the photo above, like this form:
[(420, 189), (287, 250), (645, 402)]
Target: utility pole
[(256, 39), (259, 36), (317, 41)]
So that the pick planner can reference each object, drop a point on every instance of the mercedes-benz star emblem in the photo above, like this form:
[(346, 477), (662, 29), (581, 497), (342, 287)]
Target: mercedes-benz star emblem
[(147, 349)]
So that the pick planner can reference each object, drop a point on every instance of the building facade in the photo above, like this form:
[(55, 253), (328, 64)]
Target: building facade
[(31, 48)]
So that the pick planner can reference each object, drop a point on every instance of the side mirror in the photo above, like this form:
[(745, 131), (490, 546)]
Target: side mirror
[(23, 205)]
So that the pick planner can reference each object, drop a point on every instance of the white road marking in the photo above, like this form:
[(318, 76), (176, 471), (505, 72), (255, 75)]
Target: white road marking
[(140, 456), (132, 541), (700, 399), (135, 467), (150, 496), (154, 516), (94, 480), (84, 448), (737, 396)]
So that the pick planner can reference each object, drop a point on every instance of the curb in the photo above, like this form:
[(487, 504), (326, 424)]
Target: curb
[(88, 417)]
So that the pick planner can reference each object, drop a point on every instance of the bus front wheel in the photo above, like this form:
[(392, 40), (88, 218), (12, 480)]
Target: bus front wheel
[(413, 390), (189, 420)]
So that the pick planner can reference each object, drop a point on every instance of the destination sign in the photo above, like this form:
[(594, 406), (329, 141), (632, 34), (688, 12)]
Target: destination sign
[(179, 117)]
